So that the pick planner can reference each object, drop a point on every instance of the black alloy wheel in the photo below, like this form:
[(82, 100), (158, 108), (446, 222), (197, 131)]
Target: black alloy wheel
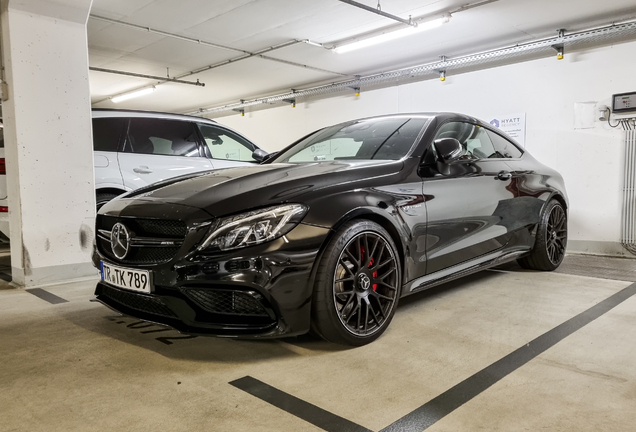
[(551, 240), (357, 302), (365, 283), (556, 235)]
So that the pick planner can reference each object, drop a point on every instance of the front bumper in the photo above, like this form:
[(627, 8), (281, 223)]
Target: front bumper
[(261, 291)]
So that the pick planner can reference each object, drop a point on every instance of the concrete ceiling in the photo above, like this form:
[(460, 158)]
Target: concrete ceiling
[(253, 25)]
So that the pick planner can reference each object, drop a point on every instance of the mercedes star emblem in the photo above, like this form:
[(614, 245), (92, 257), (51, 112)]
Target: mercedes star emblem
[(364, 281), (120, 240)]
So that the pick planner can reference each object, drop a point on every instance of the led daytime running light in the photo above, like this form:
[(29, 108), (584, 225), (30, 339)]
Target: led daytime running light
[(249, 223)]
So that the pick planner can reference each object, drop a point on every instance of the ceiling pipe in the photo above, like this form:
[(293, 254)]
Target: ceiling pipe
[(153, 77), (259, 54), (165, 33), (472, 5), (380, 12), (246, 54), (597, 34), (178, 78), (243, 57)]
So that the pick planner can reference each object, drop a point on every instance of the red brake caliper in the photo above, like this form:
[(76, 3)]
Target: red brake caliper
[(371, 261), (375, 274)]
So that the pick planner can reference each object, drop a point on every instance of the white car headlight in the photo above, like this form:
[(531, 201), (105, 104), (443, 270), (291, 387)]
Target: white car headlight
[(255, 227)]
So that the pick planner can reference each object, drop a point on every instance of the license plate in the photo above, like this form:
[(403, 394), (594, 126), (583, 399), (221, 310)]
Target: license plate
[(137, 280)]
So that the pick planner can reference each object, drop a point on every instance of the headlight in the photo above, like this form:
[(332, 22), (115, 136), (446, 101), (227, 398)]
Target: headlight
[(255, 227)]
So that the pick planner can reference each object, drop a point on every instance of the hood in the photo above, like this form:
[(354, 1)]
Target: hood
[(234, 190)]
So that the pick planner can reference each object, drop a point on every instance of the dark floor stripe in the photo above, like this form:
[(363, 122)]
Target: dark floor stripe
[(45, 295), (304, 410), (447, 402)]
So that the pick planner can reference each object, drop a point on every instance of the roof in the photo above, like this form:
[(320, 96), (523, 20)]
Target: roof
[(109, 112)]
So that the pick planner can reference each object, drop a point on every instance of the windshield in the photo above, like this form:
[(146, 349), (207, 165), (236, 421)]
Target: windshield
[(388, 138)]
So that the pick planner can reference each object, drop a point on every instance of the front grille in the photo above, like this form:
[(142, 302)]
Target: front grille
[(141, 255), (226, 302), (145, 227), (156, 229), (139, 302)]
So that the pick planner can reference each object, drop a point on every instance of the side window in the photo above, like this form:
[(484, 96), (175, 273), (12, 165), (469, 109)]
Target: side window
[(162, 137), (399, 144), (474, 139), (226, 145), (504, 148), (107, 132)]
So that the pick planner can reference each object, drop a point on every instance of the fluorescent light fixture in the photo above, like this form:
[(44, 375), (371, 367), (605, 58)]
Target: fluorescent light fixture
[(134, 94), (384, 37)]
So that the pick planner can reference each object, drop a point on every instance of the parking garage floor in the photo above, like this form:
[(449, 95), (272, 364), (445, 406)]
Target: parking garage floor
[(502, 350)]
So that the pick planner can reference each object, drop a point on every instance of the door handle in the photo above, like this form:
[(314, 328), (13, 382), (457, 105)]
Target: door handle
[(504, 175), (142, 170)]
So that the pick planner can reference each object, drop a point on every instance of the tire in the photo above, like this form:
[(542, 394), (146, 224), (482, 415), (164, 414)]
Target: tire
[(551, 240), (103, 198), (357, 285)]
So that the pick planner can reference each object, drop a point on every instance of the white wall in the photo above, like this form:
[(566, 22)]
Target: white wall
[(590, 160)]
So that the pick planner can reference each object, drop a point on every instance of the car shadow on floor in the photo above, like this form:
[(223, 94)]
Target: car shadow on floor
[(170, 343)]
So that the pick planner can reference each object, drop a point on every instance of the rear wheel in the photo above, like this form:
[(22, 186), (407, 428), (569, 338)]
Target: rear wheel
[(551, 240), (357, 285)]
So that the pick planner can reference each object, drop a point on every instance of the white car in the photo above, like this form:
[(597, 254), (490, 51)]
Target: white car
[(136, 148)]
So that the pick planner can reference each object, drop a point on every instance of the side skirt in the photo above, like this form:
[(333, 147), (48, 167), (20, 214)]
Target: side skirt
[(464, 269)]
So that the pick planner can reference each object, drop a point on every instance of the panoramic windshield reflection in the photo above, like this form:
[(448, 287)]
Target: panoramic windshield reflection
[(379, 139)]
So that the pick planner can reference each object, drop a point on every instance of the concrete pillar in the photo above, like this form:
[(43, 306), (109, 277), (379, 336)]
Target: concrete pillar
[(48, 143)]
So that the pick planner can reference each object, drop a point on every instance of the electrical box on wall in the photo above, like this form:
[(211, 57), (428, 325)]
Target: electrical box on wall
[(624, 102)]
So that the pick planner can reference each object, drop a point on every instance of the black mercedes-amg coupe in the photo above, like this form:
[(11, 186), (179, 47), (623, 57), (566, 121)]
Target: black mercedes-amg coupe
[(327, 234)]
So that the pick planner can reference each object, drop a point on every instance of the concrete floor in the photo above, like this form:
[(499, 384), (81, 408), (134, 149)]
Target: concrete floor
[(77, 366)]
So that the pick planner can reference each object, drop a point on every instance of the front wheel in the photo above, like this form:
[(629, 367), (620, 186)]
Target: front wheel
[(103, 198), (357, 285), (551, 240)]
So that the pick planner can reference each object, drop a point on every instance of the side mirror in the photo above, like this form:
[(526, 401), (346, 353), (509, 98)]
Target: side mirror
[(448, 149), (259, 155)]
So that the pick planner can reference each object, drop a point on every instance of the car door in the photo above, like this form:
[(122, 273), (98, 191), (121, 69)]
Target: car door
[(108, 133), (225, 148), (464, 200), (158, 148), (522, 213)]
